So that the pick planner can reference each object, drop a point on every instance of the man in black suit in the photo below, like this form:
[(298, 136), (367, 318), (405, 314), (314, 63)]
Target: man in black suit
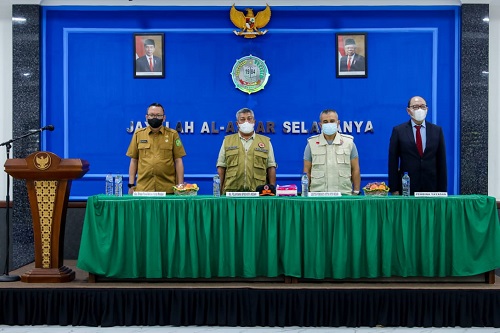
[(148, 62), (417, 147), (351, 62)]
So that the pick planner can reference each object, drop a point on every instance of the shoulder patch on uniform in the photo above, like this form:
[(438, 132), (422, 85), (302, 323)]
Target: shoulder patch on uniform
[(178, 142)]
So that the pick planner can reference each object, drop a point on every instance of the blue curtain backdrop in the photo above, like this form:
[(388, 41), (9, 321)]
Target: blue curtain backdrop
[(91, 96)]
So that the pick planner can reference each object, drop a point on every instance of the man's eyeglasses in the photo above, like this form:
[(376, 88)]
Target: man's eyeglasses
[(157, 116), (416, 107)]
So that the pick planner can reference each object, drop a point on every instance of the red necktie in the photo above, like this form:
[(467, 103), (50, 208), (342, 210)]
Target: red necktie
[(418, 139), (151, 67), (349, 63)]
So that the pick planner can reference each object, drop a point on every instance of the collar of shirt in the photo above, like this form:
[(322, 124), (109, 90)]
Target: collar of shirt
[(336, 140), (161, 131), (413, 124), (243, 139)]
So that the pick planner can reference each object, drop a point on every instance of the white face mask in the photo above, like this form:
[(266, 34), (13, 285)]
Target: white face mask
[(246, 127), (419, 115), (329, 128)]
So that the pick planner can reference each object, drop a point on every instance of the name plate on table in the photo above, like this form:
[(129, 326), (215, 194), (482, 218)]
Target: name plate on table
[(242, 194), (325, 194), (149, 194), (286, 193), (431, 194)]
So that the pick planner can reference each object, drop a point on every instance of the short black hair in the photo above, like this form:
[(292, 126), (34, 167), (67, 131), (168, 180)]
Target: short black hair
[(157, 105), (149, 42)]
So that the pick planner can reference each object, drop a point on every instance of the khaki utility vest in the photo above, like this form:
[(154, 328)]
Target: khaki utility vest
[(245, 170), (331, 164)]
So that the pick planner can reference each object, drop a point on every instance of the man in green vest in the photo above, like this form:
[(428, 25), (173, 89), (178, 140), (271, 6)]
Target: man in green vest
[(331, 158), (246, 159)]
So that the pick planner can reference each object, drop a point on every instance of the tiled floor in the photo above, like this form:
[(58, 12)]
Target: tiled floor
[(196, 329)]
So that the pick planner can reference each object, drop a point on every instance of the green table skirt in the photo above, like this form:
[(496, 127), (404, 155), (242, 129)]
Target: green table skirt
[(347, 237)]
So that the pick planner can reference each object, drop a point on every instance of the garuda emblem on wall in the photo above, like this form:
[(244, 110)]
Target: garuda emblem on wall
[(250, 23)]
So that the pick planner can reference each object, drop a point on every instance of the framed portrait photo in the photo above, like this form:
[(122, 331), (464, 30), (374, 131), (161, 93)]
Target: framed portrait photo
[(149, 55), (352, 58)]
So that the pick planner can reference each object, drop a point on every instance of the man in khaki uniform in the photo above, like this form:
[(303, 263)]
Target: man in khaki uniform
[(331, 158), (246, 159), (155, 155)]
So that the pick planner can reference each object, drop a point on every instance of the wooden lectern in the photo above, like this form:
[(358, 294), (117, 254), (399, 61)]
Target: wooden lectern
[(48, 179)]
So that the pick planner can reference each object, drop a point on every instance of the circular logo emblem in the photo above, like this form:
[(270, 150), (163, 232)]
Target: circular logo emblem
[(250, 74), (42, 161)]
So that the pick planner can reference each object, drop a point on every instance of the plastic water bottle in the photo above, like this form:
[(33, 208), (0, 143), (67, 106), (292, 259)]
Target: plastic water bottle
[(118, 185), (109, 184), (406, 185), (216, 186), (305, 185)]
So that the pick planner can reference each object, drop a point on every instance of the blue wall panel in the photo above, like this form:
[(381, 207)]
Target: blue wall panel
[(91, 95)]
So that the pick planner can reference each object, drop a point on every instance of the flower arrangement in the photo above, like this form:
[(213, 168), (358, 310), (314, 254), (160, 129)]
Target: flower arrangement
[(186, 189), (377, 188)]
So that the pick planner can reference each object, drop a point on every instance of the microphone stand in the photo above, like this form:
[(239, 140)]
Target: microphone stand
[(6, 277)]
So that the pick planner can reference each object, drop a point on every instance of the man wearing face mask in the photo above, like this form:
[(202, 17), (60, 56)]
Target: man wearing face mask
[(417, 147), (331, 158), (246, 159), (155, 155)]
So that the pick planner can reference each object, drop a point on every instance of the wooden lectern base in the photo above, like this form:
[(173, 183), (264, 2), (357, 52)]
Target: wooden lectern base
[(49, 275)]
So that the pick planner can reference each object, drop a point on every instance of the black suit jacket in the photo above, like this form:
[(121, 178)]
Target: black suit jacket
[(427, 173), (142, 64), (357, 64)]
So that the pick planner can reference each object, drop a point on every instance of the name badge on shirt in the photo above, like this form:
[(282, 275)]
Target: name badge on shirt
[(143, 141), (262, 150), (232, 148)]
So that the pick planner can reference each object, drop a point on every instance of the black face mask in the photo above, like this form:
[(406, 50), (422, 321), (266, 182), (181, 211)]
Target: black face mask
[(155, 122)]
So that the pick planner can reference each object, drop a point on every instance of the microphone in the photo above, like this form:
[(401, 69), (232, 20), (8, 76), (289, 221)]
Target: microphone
[(45, 128)]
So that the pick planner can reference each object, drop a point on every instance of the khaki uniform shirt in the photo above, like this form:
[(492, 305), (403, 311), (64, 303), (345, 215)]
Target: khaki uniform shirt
[(156, 153)]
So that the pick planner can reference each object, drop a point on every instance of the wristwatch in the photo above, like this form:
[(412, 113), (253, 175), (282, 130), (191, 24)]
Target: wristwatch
[(355, 192), (130, 185)]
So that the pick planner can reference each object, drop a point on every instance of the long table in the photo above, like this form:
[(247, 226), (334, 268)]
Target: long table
[(316, 238)]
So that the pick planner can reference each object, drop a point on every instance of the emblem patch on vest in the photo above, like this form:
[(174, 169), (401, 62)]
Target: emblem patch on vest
[(178, 142)]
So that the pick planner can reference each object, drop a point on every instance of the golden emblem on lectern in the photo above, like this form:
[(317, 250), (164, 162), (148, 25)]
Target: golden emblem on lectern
[(250, 23), (42, 161)]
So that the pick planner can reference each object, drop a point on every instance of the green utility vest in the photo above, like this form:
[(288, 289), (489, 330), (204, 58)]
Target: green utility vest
[(245, 170)]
